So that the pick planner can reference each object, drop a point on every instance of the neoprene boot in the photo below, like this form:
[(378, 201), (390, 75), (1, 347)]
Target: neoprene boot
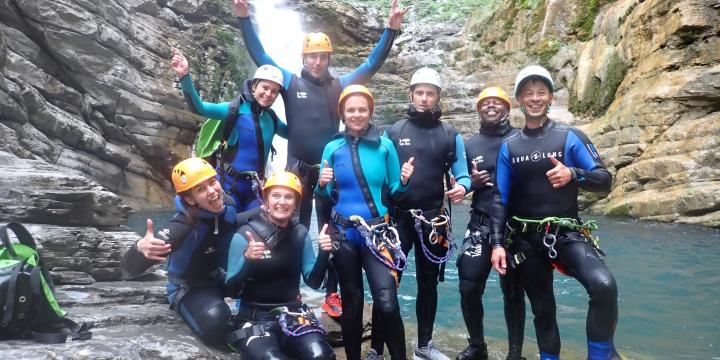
[(515, 353), (476, 350)]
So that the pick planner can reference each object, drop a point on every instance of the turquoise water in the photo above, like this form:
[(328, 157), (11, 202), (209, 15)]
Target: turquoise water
[(669, 293)]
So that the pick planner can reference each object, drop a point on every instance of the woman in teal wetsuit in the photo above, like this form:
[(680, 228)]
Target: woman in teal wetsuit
[(250, 141), (356, 166)]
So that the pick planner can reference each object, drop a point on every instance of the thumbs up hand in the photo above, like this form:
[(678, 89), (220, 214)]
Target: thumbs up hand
[(560, 175), (326, 175), (324, 241), (456, 192), (150, 247), (255, 249), (407, 171), (479, 178)]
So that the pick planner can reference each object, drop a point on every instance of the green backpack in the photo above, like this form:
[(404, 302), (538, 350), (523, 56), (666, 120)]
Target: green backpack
[(29, 308), (214, 133)]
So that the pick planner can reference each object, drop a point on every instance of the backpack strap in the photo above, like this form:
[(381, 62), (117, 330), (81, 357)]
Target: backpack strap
[(232, 116), (20, 232)]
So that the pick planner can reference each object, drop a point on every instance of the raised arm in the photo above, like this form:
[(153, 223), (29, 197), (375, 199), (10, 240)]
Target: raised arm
[(179, 65), (252, 41)]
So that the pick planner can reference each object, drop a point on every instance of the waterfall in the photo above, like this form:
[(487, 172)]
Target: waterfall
[(281, 34)]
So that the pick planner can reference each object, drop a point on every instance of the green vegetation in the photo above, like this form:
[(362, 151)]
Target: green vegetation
[(600, 94), (236, 65), (587, 12), (545, 51), (434, 10)]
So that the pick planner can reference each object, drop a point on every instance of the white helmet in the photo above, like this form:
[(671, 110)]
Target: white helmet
[(533, 71), (426, 76), (269, 72)]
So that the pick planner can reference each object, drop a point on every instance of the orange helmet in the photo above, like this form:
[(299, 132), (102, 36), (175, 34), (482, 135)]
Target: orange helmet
[(495, 92), (316, 42), (191, 172), (284, 178), (354, 90)]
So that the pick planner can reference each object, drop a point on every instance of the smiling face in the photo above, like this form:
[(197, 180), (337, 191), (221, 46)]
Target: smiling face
[(424, 97), (265, 92), (316, 63), (356, 114), (491, 111), (206, 195), (280, 203), (535, 98)]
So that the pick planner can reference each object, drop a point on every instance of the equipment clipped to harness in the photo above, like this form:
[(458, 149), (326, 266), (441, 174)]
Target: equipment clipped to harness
[(550, 237), (436, 223), (297, 323), (383, 241), (255, 178)]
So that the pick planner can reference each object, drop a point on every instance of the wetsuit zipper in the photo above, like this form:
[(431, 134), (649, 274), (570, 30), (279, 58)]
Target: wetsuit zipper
[(357, 168)]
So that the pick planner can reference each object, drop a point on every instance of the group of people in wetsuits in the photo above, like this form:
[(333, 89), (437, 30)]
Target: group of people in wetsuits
[(377, 194)]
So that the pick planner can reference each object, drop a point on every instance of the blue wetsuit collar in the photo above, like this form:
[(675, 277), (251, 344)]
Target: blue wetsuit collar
[(372, 135), (425, 119)]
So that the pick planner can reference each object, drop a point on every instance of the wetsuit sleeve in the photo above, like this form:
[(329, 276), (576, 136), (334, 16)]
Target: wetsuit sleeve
[(460, 168), (134, 263), (208, 110), (282, 129), (326, 190), (377, 57), (392, 174), (501, 195), (313, 267), (257, 51), (236, 270), (585, 164)]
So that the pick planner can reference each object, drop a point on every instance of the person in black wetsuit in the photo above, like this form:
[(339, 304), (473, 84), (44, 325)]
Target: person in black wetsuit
[(437, 149), (268, 254), (539, 172), (493, 107), (311, 99), (194, 244)]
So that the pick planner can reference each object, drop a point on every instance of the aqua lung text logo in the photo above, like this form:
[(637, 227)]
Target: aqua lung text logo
[(404, 142), (301, 95), (164, 234), (536, 156)]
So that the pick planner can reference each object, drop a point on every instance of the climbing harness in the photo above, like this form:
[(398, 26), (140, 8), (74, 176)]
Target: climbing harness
[(550, 237), (436, 223), (254, 177), (297, 323), (382, 238)]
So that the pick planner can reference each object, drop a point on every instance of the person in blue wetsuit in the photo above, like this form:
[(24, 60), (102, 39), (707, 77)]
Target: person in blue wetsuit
[(358, 166), (493, 107), (437, 149), (539, 172), (250, 141), (267, 255), (194, 244), (311, 99)]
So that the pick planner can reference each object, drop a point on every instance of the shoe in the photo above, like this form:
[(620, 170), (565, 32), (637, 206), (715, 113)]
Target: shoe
[(333, 305), (373, 355), (474, 352), (429, 352), (515, 353)]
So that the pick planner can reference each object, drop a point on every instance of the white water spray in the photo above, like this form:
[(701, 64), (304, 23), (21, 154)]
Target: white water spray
[(281, 35)]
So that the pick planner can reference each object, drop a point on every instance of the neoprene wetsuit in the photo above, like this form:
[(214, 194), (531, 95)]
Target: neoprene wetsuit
[(250, 141), (274, 281), (311, 111), (363, 167), (523, 186), (437, 148), (195, 268), (474, 260)]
